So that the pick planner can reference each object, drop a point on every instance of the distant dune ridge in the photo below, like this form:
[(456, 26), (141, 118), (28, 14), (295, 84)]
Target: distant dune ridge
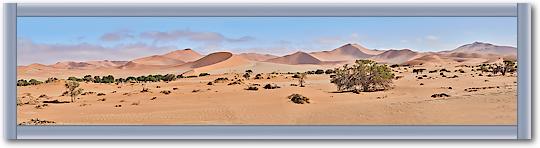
[(346, 53), (257, 56), (296, 59), (188, 61), (485, 48)]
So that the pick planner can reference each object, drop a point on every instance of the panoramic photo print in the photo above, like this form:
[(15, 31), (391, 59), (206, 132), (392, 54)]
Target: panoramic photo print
[(266, 70)]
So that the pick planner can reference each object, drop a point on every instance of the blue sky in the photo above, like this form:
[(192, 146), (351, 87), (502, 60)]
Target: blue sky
[(50, 39)]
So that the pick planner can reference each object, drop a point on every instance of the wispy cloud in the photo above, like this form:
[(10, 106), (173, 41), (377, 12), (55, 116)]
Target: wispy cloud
[(207, 37), (116, 36), (30, 52)]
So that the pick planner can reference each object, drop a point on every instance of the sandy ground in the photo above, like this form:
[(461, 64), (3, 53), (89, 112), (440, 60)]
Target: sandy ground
[(408, 103)]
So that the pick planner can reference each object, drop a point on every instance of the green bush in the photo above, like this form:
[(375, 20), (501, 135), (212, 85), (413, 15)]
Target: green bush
[(364, 75), (298, 99)]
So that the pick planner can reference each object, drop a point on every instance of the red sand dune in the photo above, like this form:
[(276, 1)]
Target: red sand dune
[(214, 61), (295, 59), (396, 56), (186, 55), (346, 52), (157, 60), (257, 57)]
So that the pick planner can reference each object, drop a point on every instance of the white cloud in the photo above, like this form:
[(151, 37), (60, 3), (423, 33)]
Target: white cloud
[(29, 52)]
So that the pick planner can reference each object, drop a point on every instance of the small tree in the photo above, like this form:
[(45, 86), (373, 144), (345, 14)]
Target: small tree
[(366, 75), (73, 90), (246, 75), (483, 68), (88, 78), (301, 79), (508, 67), (169, 77), (34, 82)]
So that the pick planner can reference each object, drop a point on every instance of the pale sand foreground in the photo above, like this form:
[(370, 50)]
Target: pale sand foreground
[(408, 103)]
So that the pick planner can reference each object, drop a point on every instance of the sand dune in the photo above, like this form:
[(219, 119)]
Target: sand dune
[(157, 60), (257, 57), (181, 61), (396, 56), (346, 52), (215, 61), (186, 55), (296, 58), (485, 48)]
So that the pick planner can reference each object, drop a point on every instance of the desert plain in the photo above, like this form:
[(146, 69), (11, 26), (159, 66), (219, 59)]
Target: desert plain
[(471, 96)]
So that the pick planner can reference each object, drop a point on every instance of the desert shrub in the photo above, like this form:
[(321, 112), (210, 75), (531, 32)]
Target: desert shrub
[(209, 83), (203, 74), (319, 71), (50, 80), (22, 82), (418, 70), (74, 79), (296, 76), (302, 79), (509, 66), (246, 75), (169, 77), (73, 89), (179, 76), (237, 82), (298, 99), (34, 82), (329, 71), (365, 75), (100, 94), (190, 76), (258, 76), (88, 78), (271, 86), (221, 80), (444, 70), (440, 95), (249, 71), (145, 90), (165, 92), (252, 87)]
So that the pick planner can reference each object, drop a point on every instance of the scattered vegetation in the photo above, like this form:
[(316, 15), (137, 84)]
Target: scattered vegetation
[(165, 92), (23, 82), (252, 87), (440, 95), (302, 79), (37, 121), (271, 86), (203, 74), (298, 99), (73, 89), (365, 75)]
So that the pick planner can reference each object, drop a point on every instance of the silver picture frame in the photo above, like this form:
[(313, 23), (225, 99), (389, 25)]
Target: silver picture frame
[(522, 130)]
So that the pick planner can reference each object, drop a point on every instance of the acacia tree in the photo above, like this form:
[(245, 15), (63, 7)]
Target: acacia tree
[(365, 75), (301, 79), (508, 67), (73, 90)]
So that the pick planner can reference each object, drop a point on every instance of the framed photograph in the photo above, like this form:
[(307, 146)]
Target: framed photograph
[(268, 71)]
